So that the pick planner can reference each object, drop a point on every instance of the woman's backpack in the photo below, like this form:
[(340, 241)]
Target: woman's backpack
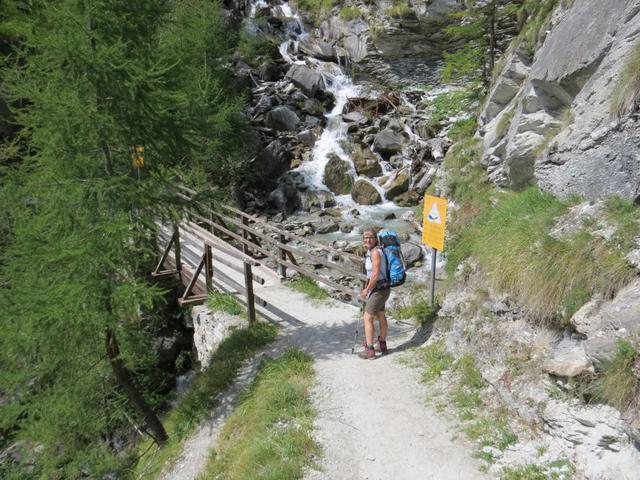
[(389, 241)]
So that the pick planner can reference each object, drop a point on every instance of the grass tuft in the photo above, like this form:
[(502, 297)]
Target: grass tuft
[(555, 470), (224, 302), (269, 434), (399, 9), (309, 287), (350, 13), (627, 89), (617, 382), (435, 359)]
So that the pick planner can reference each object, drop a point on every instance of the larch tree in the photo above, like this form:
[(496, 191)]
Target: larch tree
[(91, 82)]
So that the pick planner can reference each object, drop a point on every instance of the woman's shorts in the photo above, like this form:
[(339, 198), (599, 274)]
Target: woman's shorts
[(376, 301)]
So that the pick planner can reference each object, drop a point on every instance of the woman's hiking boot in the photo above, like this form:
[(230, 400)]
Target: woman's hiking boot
[(369, 353), (383, 345)]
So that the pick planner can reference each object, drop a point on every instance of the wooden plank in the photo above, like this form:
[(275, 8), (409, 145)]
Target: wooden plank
[(205, 236)]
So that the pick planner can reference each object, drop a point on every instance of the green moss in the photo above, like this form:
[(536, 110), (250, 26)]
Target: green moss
[(399, 9)]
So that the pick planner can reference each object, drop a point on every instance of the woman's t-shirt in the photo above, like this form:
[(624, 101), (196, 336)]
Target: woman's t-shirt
[(368, 263)]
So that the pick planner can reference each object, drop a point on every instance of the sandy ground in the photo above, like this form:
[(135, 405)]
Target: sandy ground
[(373, 422)]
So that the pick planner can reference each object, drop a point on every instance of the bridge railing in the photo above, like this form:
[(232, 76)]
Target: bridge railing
[(242, 229)]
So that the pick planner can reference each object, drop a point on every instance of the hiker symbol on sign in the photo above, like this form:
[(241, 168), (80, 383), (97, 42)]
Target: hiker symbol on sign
[(434, 214)]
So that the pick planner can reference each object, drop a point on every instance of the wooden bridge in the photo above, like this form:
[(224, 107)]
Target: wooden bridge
[(224, 249)]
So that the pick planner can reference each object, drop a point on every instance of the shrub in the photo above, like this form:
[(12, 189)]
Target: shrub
[(436, 359)]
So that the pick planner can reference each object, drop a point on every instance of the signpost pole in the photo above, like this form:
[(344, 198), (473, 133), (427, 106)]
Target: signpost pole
[(432, 295), (434, 254)]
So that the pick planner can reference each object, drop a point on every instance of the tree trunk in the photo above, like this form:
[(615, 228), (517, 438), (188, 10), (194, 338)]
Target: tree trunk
[(125, 379)]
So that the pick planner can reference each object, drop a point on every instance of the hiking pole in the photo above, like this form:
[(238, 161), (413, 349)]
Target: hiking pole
[(355, 334)]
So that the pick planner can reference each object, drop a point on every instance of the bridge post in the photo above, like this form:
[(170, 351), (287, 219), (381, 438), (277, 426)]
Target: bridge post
[(283, 257), (248, 284), (178, 257), (245, 235), (208, 268)]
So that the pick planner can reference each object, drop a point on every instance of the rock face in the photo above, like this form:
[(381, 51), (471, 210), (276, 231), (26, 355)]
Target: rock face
[(337, 176), (551, 121), (210, 328), (365, 193), (603, 323)]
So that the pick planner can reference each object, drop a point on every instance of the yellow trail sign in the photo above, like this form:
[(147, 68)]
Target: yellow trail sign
[(137, 157), (434, 219)]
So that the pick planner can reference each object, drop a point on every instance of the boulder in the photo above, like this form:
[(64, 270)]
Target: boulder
[(365, 193), (398, 184), (411, 253), (355, 117), (210, 328), (282, 118), (318, 49), (388, 142), (308, 80), (337, 175), (567, 359), (328, 227), (311, 200), (307, 138), (365, 161), (407, 199), (269, 164)]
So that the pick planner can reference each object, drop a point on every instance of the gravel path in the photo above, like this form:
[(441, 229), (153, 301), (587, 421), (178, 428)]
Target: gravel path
[(372, 421)]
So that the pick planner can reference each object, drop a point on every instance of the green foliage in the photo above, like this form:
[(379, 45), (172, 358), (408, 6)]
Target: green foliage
[(253, 45), (399, 9), (463, 129), (545, 274), (627, 88), (449, 104), (350, 13), (224, 302), (269, 435), (555, 470), (465, 64), (435, 359), (87, 82), (466, 178), (617, 382), (308, 286)]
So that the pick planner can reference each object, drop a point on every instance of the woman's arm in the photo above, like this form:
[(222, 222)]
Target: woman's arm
[(375, 273)]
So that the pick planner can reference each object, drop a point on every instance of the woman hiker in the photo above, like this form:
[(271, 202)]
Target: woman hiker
[(375, 293)]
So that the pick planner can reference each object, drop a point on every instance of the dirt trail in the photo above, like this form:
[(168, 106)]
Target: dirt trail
[(372, 421)]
